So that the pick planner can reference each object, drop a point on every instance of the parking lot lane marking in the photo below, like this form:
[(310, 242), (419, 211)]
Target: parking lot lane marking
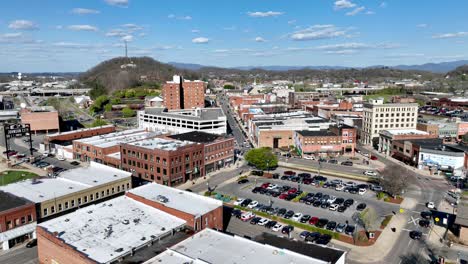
[(404, 229), (416, 212)]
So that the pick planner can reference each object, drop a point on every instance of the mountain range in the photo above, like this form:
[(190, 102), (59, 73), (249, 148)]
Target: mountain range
[(441, 67)]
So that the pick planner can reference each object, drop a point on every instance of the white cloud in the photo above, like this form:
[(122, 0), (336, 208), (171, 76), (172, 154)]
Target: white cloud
[(231, 28), (64, 44), (450, 35), (127, 38), (356, 11), (422, 25), (343, 4), (200, 40), (172, 16), (82, 28), (195, 31), (318, 32), (341, 52), (142, 34), (23, 25), (369, 12), (265, 14), (59, 27), (352, 45), (12, 35), (132, 27), (383, 5), (85, 11), (292, 22), (116, 33), (119, 3), (259, 39)]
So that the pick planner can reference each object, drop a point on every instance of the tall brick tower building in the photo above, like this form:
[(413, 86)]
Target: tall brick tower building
[(183, 94)]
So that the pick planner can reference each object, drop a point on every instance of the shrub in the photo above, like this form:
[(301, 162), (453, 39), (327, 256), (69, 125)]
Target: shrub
[(386, 220), (381, 195), (299, 197), (242, 177), (362, 237)]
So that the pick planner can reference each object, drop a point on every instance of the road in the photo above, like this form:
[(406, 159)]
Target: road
[(20, 255), (236, 131)]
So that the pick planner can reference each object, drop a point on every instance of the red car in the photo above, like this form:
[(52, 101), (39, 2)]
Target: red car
[(313, 220), (290, 173), (283, 196), (265, 185), (292, 191), (373, 157), (307, 181)]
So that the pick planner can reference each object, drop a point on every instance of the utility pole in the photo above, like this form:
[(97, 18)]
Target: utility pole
[(126, 52)]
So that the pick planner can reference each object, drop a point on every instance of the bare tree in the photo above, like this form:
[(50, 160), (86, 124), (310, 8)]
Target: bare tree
[(368, 218), (394, 179)]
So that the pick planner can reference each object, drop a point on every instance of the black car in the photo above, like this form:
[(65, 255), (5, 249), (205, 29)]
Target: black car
[(426, 214), (255, 220), (331, 225), (363, 186), (323, 239), (348, 202), (275, 175), (288, 214), (31, 243), (303, 199), (353, 190), (305, 219), (257, 173), (256, 189), (281, 212), (290, 196), (310, 201), (270, 224), (75, 163), (312, 237), (326, 185), (236, 212), (333, 161), (342, 208), (243, 181), (262, 191), (339, 201), (347, 163), (317, 203), (416, 235), (285, 188), (275, 194), (325, 205), (319, 178), (246, 202), (284, 177), (349, 230), (322, 222), (318, 195), (424, 223), (287, 229), (361, 206), (304, 175)]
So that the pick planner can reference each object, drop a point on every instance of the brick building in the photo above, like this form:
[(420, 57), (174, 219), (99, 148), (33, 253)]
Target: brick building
[(219, 150), (386, 138), (17, 220), (336, 140), (168, 162), (451, 103), (42, 119), (183, 94), (431, 129)]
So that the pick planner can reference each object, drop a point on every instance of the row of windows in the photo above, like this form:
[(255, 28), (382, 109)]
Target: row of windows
[(219, 155), (218, 146), (395, 109), (83, 200), (144, 156), (18, 222)]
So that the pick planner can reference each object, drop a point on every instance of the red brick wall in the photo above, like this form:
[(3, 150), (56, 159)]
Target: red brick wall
[(50, 248), (215, 217), (219, 148), (82, 133), (171, 95), (194, 94), (17, 213)]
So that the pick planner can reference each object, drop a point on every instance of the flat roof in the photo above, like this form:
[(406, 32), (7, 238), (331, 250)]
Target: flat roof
[(318, 133), (399, 132), (112, 229), (68, 182), (201, 114), (78, 130), (197, 136), (117, 138), (180, 200), (209, 246), (161, 144), (10, 201)]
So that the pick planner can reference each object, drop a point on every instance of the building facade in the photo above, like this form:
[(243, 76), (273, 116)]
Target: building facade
[(183, 94), (337, 140), (41, 119), (386, 138), (167, 162), (379, 116)]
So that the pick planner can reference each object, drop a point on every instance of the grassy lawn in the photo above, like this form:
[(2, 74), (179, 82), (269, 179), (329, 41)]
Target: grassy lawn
[(7, 177)]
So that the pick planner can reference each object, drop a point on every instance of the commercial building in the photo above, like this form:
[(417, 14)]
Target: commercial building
[(339, 139), (295, 98), (71, 189), (199, 212), (183, 94), (219, 150), (209, 120), (103, 148), (169, 162), (17, 220), (42, 119), (386, 137), (210, 246), (462, 223), (129, 228), (379, 116), (451, 103)]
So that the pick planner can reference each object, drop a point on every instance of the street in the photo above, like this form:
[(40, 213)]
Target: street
[(20, 255)]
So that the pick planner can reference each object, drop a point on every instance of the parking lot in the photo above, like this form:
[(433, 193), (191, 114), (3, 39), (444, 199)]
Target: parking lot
[(369, 198)]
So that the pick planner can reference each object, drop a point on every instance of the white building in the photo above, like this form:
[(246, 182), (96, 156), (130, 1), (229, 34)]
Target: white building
[(209, 120), (379, 116)]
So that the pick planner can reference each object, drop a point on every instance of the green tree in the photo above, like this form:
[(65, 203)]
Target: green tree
[(115, 101), (229, 86), (98, 122), (99, 103), (108, 107), (97, 90), (369, 219), (262, 158), (465, 138), (128, 112), (130, 93)]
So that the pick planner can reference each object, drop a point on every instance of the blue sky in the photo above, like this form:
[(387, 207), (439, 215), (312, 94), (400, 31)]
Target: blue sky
[(65, 35)]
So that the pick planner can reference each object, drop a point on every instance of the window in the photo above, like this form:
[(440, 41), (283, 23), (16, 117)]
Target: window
[(128, 185), (10, 224), (72, 203), (107, 191), (52, 209), (79, 201), (113, 190), (91, 197), (102, 194), (60, 207), (85, 199), (66, 205), (23, 220), (29, 218)]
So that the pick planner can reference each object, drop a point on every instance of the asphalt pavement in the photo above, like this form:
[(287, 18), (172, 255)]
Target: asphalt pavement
[(19, 255)]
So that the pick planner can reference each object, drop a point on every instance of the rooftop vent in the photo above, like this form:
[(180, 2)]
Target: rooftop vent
[(70, 187), (162, 199), (119, 250), (90, 211), (125, 222)]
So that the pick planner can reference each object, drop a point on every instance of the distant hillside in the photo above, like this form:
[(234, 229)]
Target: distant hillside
[(119, 73), (460, 71), (187, 66), (442, 67)]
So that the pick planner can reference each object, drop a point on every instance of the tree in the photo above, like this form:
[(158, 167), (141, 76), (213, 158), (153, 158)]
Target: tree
[(99, 103), (130, 93), (108, 107), (368, 218), (394, 179), (98, 122), (115, 101), (97, 90), (229, 86), (465, 137), (128, 112), (262, 158)]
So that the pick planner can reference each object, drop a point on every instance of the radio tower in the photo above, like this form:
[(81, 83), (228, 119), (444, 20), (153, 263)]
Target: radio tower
[(126, 54)]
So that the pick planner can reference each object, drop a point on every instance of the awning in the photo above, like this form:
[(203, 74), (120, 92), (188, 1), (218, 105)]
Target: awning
[(17, 232)]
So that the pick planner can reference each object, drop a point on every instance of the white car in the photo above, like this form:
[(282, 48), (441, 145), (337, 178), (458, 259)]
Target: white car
[(331, 199), (350, 184), (337, 182), (263, 222), (377, 188), (277, 227), (239, 201), (61, 158), (362, 191), (370, 173), (247, 216), (333, 207), (297, 217), (339, 188), (309, 158), (252, 204), (272, 186), (430, 205)]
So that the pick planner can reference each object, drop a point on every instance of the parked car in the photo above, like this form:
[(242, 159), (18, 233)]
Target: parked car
[(424, 223), (426, 214), (247, 216), (256, 189), (342, 208), (430, 205), (333, 161), (313, 221), (331, 225), (348, 202), (270, 224), (361, 206), (377, 188), (362, 191), (370, 173), (372, 157), (297, 217), (339, 201), (277, 227), (312, 237), (243, 181), (347, 163), (236, 213), (257, 173), (305, 218), (290, 173), (263, 222), (246, 202), (323, 239), (349, 230), (340, 228), (255, 220), (333, 207), (322, 222), (339, 188), (287, 229), (416, 235), (288, 214), (238, 201), (304, 234)]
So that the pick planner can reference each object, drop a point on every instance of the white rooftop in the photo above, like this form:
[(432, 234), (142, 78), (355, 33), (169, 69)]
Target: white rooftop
[(79, 130), (399, 132), (184, 201), (215, 247), (115, 155), (67, 182), (160, 143), (109, 230), (113, 139)]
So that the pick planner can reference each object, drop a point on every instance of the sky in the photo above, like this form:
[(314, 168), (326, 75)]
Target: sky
[(66, 35)]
